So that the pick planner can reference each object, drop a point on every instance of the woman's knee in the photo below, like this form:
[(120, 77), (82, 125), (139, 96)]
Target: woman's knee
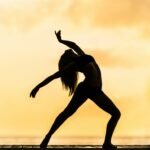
[(116, 114)]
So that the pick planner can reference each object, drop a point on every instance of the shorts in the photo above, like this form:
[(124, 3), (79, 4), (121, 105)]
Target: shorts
[(87, 90)]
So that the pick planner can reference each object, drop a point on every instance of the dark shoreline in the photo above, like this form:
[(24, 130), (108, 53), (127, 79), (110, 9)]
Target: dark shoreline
[(74, 147)]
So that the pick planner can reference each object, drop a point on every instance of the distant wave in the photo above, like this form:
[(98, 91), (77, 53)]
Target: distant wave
[(71, 140)]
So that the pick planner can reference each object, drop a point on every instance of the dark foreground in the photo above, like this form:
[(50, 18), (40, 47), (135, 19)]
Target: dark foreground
[(73, 147)]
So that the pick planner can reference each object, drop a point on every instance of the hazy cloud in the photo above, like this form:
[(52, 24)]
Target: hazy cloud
[(109, 59), (145, 33), (27, 15), (105, 13), (111, 12)]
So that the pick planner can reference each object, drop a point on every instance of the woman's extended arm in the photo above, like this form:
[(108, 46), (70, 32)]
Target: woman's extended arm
[(68, 68), (70, 44), (43, 83)]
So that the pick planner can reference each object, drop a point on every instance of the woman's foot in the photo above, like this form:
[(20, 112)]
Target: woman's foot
[(44, 143), (109, 147)]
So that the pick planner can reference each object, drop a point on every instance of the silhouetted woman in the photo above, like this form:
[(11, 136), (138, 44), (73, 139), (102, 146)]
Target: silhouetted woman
[(70, 64)]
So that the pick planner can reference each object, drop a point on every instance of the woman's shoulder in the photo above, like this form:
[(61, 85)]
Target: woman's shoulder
[(84, 59), (87, 57)]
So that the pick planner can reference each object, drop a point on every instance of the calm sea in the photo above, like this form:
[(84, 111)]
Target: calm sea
[(74, 140)]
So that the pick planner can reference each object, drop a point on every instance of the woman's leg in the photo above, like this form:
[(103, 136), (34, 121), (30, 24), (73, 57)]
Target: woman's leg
[(107, 105), (76, 101)]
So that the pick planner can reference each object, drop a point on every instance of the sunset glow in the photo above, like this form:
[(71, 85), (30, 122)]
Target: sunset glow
[(115, 32)]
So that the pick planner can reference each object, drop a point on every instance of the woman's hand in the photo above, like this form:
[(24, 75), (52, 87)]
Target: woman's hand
[(58, 35), (34, 91)]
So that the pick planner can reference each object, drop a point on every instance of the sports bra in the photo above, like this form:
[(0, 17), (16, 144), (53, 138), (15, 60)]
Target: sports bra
[(83, 60)]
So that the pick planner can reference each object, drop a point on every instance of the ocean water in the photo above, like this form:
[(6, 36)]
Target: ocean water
[(74, 140)]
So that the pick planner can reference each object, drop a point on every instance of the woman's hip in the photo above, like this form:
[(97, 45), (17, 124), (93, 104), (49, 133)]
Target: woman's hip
[(88, 90)]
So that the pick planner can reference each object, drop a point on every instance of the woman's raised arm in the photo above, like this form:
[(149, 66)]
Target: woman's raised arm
[(70, 44)]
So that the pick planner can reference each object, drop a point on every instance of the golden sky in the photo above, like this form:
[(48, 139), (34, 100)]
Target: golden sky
[(115, 32)]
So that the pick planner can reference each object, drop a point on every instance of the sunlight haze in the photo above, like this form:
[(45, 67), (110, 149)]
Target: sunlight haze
[(115, 32)]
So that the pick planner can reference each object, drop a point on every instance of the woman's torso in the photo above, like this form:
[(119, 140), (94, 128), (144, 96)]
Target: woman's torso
[(87, 65)]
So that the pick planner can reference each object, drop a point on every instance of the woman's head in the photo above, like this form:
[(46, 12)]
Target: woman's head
[(69, 79)]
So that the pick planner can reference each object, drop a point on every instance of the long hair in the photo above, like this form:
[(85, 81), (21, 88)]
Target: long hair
[(69, 79)]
